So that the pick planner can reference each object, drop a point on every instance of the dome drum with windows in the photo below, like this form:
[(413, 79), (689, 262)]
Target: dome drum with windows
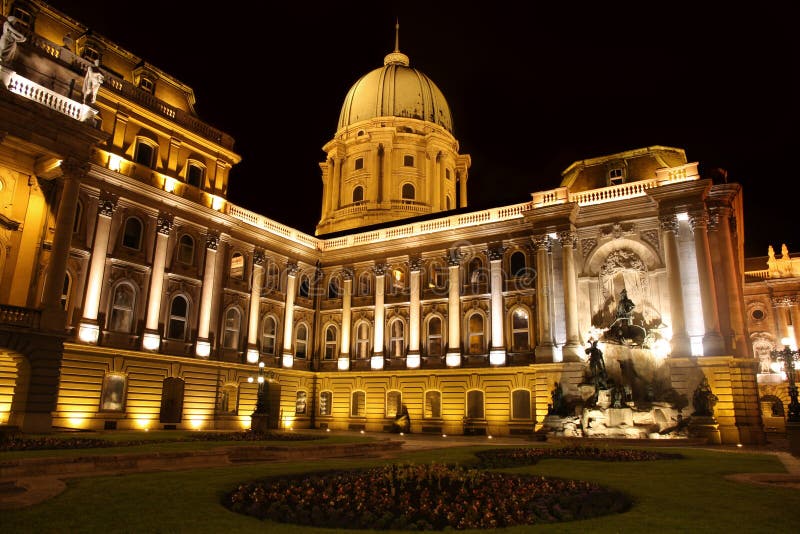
[(393, 155)]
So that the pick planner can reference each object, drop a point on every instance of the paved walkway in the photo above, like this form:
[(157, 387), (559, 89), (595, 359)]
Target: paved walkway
[(31, 481)]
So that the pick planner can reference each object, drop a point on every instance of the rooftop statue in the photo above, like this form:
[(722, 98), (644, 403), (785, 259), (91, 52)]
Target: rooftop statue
[(9, 39)]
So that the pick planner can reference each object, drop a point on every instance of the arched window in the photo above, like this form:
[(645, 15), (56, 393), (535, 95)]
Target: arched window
[(520, 404), (475, 404), (325, 402), (362, 340), (230, 336), (334, 288), (331, 335), (394, 403), (408, 192), (520, 331), (476, 334), (358, 406), (144, 153), (301, 341), (305, 286), (517, 264), (272, 280), (237, 266), (132, 234), (364, 284), (435, 336), (186, 249), (76, 222), (358, 194), (397, 338), (122, 308), (178, 317), (269, 329), (433, 404)]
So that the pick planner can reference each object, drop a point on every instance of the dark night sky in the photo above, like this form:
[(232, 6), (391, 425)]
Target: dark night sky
[(531, 89)]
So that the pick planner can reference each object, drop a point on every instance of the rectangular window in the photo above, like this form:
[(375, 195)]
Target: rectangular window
[(359, 164), (144, 154), (393, 403), (615, 176), (433, 404), (521, 404), (408, 161), (358, 408), (112, 398), (300, 403), (475, 404), (195, 175)]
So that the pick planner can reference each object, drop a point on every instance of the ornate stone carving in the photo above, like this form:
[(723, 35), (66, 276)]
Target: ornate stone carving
[(651, 238), (106, 206), (617, 230), (74, 168), (454, 257), (259, 257), (380, 269), (542, 242), (164, 223), (415, 264), (713, 220), (669, 223), (567, 238), (698, 219), (212, 240), (620, 260), (347, 273), (587, 246), (495, 253), (292, 268)]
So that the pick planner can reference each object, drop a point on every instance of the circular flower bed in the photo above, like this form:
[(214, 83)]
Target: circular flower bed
[(528, 456), (422, 497), (19, 443)]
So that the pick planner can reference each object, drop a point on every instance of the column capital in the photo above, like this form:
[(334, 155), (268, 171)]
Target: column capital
[(380, 269), (698, 219), (567, 238), (74, 168), (713, 219), (259, 257), (212, 240), (106, 206), (292, 268), (669, 223), (164, 223), (415, 264), (495, 253), (348, 273), (454, 258), (541, 242)]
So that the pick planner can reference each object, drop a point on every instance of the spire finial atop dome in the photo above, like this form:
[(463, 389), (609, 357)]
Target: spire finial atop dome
[(396, 57)]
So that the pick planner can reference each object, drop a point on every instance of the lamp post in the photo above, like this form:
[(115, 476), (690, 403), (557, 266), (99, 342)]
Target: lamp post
[(789, 356), (259, 420)]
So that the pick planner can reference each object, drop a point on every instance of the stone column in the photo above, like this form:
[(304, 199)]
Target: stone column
[(413, 358), (544, 345), (253, 353), (53, 315), (712, 341), (572, 348), (203, 344), (681, 346), (89, 330), (453, 356), (152, 337), (347, 300), (377, 343), (781, 307), (736, 321), (288, 314), (462, 202), (497, 352), (795, 311)]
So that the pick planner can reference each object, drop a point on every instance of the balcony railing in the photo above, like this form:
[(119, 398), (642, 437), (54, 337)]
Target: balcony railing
[(44, 96), (18, 316)]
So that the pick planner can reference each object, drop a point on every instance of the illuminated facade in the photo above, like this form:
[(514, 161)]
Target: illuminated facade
[(115, 223)]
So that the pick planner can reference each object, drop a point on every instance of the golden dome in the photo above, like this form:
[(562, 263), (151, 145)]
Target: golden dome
[(395, 90)]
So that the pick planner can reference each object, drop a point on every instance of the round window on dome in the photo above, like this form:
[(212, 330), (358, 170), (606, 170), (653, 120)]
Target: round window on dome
[(758, 314)]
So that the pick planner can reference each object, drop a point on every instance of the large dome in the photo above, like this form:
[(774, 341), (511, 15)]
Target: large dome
[(395, 90)]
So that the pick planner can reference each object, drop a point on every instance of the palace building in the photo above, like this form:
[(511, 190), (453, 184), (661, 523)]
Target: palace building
[(134, 295)]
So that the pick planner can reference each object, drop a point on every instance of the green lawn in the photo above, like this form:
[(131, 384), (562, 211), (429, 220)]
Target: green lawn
[(687, 495)]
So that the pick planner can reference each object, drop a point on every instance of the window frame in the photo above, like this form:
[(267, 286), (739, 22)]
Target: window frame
[(231, 330), (265, 335), (146, 142), (115, 306), (358, 403), (139, 238), (172, 317)]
